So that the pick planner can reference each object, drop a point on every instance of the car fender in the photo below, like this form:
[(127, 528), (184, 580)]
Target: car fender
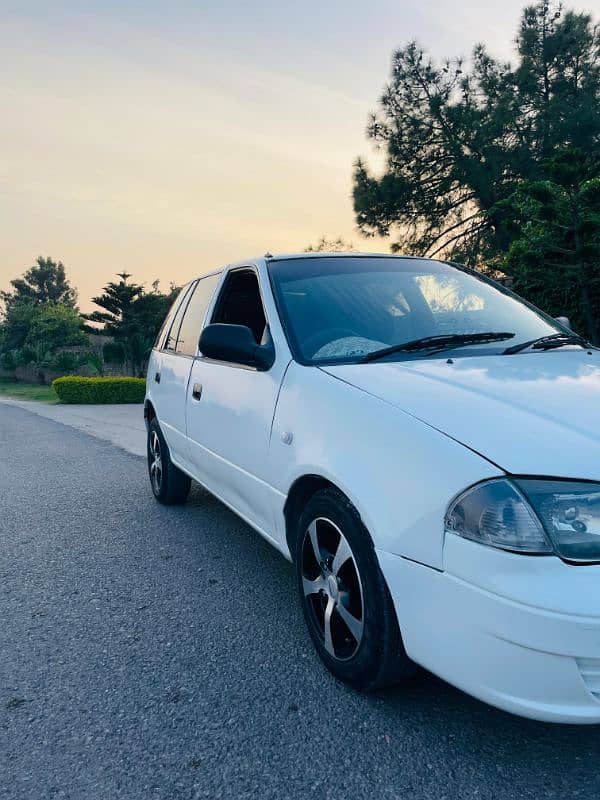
[(399, 472)]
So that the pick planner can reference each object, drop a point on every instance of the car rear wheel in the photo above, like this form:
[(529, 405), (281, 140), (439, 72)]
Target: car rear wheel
[(345, 600), (169, 484)]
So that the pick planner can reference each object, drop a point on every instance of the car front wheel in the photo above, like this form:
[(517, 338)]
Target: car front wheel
[(169, 484), (345, 600)]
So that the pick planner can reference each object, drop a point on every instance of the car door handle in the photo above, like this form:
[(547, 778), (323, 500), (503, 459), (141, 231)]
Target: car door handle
[(157, 377), (197, 391)]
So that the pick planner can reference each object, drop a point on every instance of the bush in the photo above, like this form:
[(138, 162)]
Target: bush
[(66, 362), (9, 360), (75, 389), (113, 353)]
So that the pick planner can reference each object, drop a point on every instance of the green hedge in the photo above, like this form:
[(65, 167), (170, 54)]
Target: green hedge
[(74, 389)]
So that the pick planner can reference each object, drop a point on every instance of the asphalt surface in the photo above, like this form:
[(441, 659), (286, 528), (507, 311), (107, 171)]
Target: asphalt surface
[(150, 652)]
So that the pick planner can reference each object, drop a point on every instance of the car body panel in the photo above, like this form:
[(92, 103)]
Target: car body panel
[(519, 649), (542, 581), (228, 433), (169, 395), (531, 413), (400, 473)]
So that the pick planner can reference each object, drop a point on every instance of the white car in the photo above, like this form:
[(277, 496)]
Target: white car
[(422, 444)]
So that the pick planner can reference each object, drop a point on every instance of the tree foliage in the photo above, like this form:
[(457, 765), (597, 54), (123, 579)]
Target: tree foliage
[(56, 325), (40, 317), (458, 139), (325, 245), (554, 255), (132, 317), (45, 282), (36, 334)]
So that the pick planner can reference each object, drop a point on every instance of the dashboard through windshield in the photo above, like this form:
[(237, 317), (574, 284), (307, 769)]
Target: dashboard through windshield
[(339, 309)]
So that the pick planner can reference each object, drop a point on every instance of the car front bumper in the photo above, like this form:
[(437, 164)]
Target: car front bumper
[(519, 632)]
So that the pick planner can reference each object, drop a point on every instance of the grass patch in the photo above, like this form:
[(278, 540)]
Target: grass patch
[(28, 391)]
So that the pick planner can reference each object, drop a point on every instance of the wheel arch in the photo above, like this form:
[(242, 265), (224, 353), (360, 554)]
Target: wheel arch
[(149, 412), (300, 492)]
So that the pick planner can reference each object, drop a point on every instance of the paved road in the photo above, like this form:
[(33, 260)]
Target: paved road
[(149, 653), (121, 424)]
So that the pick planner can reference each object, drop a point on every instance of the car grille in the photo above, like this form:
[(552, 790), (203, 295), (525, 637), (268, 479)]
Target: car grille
[(589, 669)]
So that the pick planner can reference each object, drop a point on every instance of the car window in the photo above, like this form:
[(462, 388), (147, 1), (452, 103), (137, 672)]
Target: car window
[(240, 303), (171, 340), (339, 309), (169, 318), (189, 331)]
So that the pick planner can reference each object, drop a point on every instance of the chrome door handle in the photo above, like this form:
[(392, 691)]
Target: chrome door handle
[(197, 391)]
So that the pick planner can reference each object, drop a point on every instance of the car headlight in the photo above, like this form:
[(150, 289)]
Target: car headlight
[(570, 514), (496, 513), (531, 516)]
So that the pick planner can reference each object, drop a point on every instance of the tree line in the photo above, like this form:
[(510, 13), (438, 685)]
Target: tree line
[(42, 327), (497, 165)]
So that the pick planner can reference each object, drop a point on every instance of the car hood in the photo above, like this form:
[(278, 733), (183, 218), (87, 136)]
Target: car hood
[(530, 414)]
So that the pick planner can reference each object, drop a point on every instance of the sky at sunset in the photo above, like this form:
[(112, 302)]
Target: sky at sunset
[(170, 138)]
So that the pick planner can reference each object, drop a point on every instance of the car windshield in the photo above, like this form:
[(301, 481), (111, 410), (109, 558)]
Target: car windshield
[(340, 309)]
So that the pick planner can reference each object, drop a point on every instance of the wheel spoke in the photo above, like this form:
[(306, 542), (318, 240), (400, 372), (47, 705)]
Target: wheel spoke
[(312, 531), (342, 554), (327, 627), (354, 625), (313, 587), (334, 602)]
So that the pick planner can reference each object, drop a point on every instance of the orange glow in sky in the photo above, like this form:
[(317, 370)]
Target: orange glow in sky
[(170, 138)]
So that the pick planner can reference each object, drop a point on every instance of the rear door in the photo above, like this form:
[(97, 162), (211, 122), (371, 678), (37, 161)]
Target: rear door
[(179, 349), (154, 389), (169, 380)]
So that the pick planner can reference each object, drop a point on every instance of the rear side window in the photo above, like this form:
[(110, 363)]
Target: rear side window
[(169, 318), (189, 332), (171, 340)]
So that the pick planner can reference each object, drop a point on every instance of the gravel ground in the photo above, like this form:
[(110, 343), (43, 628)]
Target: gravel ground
[(150, 652)]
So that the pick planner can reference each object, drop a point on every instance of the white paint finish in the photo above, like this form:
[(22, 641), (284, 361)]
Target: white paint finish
[(514, 655), (228, 430), (542, 581), (398, 472), (401, 440), (170, 396), (531, 413)]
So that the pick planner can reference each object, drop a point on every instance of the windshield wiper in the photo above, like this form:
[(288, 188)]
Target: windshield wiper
[(549, 342), (437, 343)]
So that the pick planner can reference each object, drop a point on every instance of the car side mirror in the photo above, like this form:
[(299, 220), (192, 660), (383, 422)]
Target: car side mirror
[(235, 344), (564, 321)]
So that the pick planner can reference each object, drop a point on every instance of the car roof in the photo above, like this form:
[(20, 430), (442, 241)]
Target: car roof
[(347, 254), (268, 258)]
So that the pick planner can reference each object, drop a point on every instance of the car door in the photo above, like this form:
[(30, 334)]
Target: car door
[(163, 368), (230, 409), (179, 349)]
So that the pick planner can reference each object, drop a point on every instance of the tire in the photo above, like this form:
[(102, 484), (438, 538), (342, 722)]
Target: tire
[(169, 484), (364, 646)]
